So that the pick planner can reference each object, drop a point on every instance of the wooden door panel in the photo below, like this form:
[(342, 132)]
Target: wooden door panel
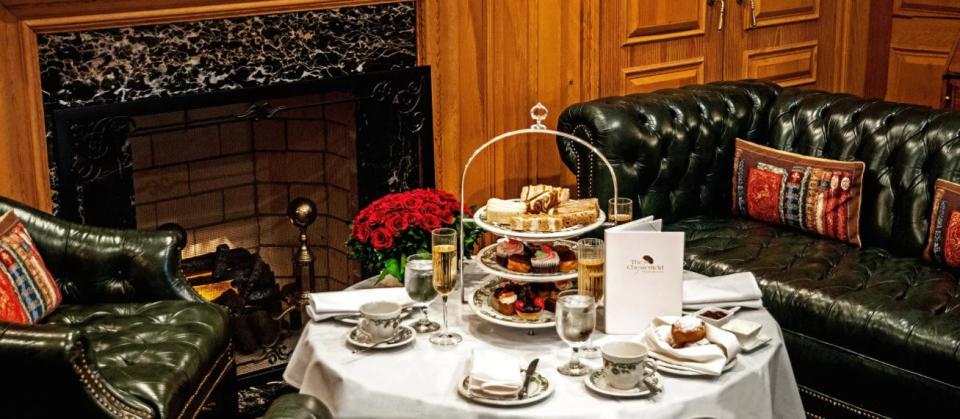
[(791, 45), (663, 19), (664, 75), (927, 7), (647, 45), (786, 65), (778, 12), (914, 75)]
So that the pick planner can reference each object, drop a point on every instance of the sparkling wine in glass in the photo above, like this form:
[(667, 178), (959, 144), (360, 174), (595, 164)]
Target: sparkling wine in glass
[(418, 280), (591, 255), (576, 319), (444, 278)]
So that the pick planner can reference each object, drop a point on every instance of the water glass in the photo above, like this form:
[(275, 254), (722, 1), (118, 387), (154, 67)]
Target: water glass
[(444, 241), (620, 210), (576, 319), (418, 280)]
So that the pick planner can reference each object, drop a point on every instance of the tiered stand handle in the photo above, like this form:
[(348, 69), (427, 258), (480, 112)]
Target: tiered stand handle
[(539, 114)]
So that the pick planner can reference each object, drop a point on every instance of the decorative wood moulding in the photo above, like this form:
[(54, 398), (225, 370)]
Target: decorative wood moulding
[(73, 15), (664, 75), (770, 13), (931, 8), (786, 65), (647, 21)]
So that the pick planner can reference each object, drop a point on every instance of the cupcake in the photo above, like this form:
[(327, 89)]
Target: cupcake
[(568, 258), (545, 261), (508, 248), (529, 306)]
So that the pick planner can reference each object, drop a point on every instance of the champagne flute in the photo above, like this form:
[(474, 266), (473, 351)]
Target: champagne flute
[(418, 280), (620, 210), (576, 319), (444, 279)]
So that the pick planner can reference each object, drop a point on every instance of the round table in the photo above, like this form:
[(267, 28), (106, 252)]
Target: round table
[(419, 380)]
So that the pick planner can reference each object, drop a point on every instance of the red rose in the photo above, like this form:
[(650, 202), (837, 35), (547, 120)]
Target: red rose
[(381, 239), (430, 221), (397, 222), (361, 232), (431, 208), (413, 218), (412, 202)]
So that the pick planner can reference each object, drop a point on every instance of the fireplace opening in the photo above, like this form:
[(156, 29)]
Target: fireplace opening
[(224, 166)]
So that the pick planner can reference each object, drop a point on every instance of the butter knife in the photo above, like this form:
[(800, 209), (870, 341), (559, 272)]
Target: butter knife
[(531, 369)]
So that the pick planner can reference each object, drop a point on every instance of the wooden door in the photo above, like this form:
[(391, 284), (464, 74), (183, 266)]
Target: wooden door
[(789, 42), (647, 45), (922, 36)]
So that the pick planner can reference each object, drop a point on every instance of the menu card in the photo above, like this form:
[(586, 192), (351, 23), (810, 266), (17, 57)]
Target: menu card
[(643, 275)]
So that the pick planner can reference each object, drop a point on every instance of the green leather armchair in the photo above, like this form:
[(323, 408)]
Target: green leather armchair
[(131, 338), (870, 329)]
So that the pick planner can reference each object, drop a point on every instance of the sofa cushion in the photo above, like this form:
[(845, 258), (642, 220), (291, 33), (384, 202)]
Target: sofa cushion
[(27, 289), (820, 196), (899, 310), (158, 352), (943, 241)]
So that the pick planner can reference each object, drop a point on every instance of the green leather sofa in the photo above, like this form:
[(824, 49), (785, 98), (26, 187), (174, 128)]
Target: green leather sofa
[(131, 338), (870, 331)]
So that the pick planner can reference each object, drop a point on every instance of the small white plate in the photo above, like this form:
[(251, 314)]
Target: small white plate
[(538, 389), (761, 340), (479, 217), (404, 335), (595, 382), (669, 368)]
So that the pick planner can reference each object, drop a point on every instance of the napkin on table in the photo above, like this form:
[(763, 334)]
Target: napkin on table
[(706, 359), (324, 305), (739, 289), (494, 373)]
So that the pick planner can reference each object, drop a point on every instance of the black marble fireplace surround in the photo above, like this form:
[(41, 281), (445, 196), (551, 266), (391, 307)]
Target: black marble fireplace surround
[(95, 82)]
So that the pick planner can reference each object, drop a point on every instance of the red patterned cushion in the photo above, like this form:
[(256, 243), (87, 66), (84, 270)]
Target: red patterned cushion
[(27, 290), (817, 195), (943, 242)]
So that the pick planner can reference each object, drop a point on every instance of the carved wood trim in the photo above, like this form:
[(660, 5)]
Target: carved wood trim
[(636, 36), (690, 71), (803, 53), (781, 17)]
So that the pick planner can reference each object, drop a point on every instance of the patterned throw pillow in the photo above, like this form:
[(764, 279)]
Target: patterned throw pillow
[(943, 242), (27, 290), (816, 195)]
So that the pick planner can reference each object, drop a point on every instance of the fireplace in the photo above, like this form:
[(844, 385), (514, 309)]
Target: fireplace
[(173, 123)]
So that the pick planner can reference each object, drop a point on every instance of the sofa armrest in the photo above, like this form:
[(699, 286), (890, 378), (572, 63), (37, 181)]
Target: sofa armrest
[(105, 265), (672, 150), (56, 373)]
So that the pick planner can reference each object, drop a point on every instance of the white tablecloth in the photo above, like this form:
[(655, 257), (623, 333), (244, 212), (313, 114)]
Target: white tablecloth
[(419, 380)]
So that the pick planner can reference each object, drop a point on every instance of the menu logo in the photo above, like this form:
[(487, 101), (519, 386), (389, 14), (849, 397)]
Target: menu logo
[(643, 265)]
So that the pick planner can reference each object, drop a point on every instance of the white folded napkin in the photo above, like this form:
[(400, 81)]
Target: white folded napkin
[(324, 305), (494, 373), (707, 359), (739, 289)]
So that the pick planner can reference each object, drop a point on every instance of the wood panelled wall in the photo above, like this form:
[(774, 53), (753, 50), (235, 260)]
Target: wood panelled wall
[(492, 60)]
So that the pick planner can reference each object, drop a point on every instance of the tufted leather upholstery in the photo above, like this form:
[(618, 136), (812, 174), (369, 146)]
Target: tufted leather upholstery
[(672, 151), (132, 338)]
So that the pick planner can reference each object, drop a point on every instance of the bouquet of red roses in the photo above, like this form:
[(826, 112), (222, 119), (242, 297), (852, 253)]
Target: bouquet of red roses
[(398, 225)]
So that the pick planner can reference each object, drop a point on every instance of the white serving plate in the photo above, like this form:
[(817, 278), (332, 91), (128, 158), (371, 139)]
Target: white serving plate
[(669, 368), (479, 303), (480, 219), (488, 263), (538, 389)]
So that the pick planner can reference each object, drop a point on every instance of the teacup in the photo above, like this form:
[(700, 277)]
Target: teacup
[(379, 320), (626, 364)]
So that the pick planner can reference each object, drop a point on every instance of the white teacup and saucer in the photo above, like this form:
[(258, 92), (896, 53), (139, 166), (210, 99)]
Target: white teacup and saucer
[(628, 371), (379, 327)]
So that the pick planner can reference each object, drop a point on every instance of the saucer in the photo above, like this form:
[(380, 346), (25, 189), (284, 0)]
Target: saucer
[(760, 340), (404, 335), (595, 382), (538, 389), (673, 369)]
